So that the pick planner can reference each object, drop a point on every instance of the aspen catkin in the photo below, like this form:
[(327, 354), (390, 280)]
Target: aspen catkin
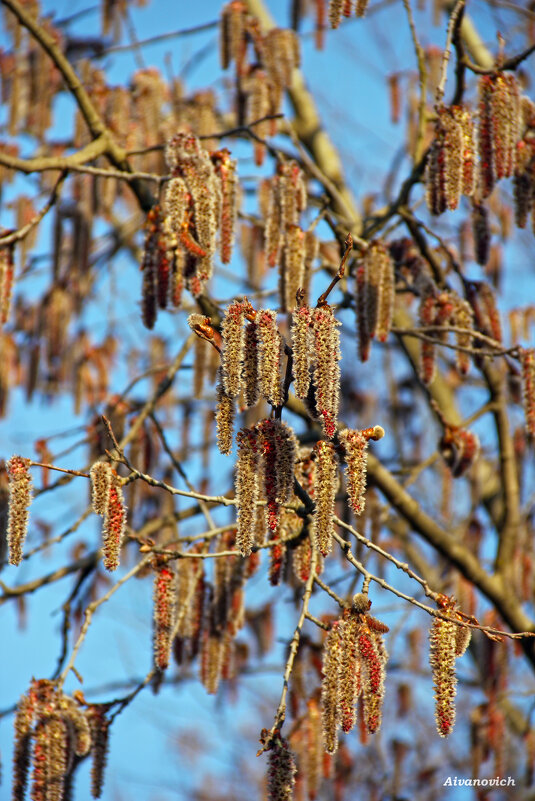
[(114, 524), (527, 357), (20, 495), (281, 772), (164, 611), (325, 487), (327, 370), (100, 475), (442, 640), (247, 489)]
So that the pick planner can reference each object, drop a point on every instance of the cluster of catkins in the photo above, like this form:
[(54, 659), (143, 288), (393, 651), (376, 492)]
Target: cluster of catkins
[(448, 641), (375, 292), (469, 160), (52, 733), (108, 501), (345, 8), (193, 616), (263, 79), (200, 200), (354, 660)]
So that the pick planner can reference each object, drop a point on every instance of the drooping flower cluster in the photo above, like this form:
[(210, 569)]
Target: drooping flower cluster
[(51, 731), (443, 309), (247, 488), (156, 267), (460, 449), (375, 291), (325, 488), (263, 78), (451, 162), (354, 660), (200, 199), (340, 8), (355, 444), (164, 610), (20, 496), (108, 501), (524, 177), (316, 351), (287, 198), (281, 771), (499, 128), (486, 314), (7, 271), (527, 357)]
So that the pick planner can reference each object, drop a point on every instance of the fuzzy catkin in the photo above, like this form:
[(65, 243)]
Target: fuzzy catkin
[(114, 524), (327, 370), (247, 489), (355, 445), (163, 612), (442, 639), (225, 411), (100, 475), (325, 488), (332, 656), (281, 772), (302, 350), (233, 348), (270, 356), (20, 496), (527, 358)]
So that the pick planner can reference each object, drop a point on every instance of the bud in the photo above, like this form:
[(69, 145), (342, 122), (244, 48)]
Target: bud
[(247, 489), (327, 370), (114, 524), (442, 639), (325, 488), (101, 476), (20, 496)]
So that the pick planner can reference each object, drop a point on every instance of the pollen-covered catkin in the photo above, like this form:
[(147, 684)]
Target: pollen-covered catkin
[(233, 348), (165, 593), (325, 488), (251, 378), (100, 475), (114, 524), (330, 708), (225, 411), (270, 356), (327, 369), (20, 496), (302, 349), (442, 639), (247, 489), (527, 358), (355, 445)]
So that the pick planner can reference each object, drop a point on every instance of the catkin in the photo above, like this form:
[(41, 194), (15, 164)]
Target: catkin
[(100, 475), (114, 524), (270, 356), (327, 370), (163, 611), (442, 639), (527, 358), (325, 488), (247, 489), (20, 496)]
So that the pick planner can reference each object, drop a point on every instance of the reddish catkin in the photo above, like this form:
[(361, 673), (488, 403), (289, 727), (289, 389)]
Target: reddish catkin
[(302, 350), (364, 337), (233, 347), (281, 771), (463, 318), (20, 496), (247, 489), (100, 475), (232, 42), (293, 266), (373, 687), (427, 314), (7, 271), (327, 370), (481, 233), (442, 640), (226, 172), (163, 611), (325, 488), (330, 707), (335, 12), (270, 356), (527, 358), (273, 231), (114, 524), (444, 179)]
